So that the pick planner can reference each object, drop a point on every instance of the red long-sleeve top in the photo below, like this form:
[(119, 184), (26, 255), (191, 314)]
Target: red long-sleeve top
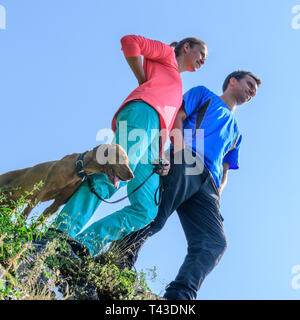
[(163, 88)]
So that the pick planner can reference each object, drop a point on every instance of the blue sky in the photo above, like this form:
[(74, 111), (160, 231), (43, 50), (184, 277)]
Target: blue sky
[(63, 76)]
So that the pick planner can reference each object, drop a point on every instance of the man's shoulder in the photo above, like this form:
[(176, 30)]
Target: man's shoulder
[(200, 90), (196, 96)]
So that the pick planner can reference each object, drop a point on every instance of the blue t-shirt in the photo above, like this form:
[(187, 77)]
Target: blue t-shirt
[(222, 138)]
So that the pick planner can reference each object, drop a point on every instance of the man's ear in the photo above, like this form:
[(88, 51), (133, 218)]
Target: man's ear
[(233, 81)]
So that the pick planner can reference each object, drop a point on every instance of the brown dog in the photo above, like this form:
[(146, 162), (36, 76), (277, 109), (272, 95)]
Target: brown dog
[(60, 179)]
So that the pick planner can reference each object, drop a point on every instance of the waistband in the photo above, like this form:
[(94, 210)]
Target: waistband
[(206, 172)]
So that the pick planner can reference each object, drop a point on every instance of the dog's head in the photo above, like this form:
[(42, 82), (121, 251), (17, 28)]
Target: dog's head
[(114, 162)]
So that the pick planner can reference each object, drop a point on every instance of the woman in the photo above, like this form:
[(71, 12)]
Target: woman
[(152, 105)]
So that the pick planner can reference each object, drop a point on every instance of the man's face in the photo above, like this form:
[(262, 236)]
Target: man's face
[(244, 89)]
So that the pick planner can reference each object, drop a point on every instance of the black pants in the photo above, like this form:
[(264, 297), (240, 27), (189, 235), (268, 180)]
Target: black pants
[(196, 200)]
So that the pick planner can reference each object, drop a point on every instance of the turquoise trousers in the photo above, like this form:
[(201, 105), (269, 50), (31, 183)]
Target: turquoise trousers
[(138, 133)]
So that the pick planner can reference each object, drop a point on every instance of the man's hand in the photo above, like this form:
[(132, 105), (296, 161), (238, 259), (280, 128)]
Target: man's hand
[(220, 191)]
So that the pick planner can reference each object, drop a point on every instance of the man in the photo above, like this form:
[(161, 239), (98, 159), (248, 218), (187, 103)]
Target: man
[(195, 197)]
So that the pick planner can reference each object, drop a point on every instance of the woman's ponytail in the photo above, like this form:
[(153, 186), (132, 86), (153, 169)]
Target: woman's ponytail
[(191, 40), (173, 44)]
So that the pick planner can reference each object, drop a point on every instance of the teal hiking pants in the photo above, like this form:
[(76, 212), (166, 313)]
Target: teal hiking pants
[(138, 133)]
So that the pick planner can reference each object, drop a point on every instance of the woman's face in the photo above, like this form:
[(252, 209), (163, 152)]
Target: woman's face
[(194, 56)]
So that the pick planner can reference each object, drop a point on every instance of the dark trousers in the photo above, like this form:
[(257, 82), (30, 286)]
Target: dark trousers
[(196, 200)]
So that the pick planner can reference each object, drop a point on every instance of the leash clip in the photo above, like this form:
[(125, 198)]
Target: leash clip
[(160, 165), (78, 161)]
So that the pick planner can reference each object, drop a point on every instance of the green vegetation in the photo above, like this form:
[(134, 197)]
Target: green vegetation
[(37, 263)]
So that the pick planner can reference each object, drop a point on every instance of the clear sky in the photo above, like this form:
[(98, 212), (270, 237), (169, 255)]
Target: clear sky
[(63, 76)]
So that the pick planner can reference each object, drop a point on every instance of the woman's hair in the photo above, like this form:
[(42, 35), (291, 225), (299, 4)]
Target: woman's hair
[(191, 40)]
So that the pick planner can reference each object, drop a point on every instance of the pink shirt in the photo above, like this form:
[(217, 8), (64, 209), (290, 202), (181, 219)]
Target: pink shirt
[(163, 88)]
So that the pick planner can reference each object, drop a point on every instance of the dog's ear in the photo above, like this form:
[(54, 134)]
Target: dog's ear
[(104, 154), (97, 151)]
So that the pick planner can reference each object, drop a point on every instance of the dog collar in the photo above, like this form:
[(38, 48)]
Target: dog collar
[(79, 168)]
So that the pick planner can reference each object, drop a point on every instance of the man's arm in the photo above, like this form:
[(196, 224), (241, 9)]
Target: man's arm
[(224, 178), (176, 137), (177, 130)]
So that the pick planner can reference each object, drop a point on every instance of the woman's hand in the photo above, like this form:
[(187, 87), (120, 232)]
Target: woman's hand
[(165, 170), (136, 66), (142, 81)]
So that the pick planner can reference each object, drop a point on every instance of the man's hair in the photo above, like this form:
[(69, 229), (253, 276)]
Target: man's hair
[(240, 74)]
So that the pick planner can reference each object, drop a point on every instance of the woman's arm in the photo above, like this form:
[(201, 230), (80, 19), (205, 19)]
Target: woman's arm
[(134, 46), (136, 66)]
